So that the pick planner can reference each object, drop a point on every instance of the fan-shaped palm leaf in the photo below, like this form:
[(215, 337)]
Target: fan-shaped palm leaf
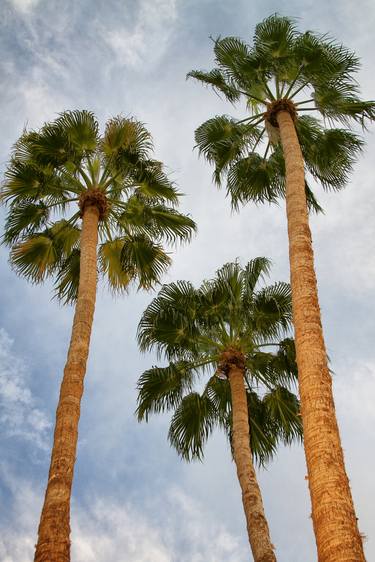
[(191, 425), (144, 260), (162, 388)]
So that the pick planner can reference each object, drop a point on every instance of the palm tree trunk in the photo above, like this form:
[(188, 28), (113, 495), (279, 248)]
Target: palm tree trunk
[(54, 528), (334, 519), (257, 526)]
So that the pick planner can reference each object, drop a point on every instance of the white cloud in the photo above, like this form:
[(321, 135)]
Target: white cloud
[(19, 416), (107, 530), (17, 536), (24, 6), (355, 394), (40, 103), (206, 539), (146, 40)]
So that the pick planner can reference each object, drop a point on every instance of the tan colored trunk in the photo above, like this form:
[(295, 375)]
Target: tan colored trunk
[(257, 526), (54, 528), (334, 519)]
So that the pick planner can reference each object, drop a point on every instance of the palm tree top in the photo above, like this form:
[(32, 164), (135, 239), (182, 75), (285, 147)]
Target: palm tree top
[(226, 312), (302, 73), (199, 331), (282, 63), (55, 172)]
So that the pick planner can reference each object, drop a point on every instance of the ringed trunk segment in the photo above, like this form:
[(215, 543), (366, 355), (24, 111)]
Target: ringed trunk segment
[(233, 365), (54, 528), (335, 523)]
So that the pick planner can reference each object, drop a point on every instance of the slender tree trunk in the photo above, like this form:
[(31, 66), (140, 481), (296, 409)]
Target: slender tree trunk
[(257, 526), (334, 519), (54, 528)]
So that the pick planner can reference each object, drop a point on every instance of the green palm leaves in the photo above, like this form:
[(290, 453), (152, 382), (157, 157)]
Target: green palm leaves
[(191, 328), (49, 173), (313, 73)]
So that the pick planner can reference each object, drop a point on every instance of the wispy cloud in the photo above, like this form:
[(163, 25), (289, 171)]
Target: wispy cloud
[(17, 537), (19, 415), (24, 6), (106, 530), (143, 41)]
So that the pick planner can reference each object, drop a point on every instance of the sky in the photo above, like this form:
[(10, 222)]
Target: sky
[(133, 499)]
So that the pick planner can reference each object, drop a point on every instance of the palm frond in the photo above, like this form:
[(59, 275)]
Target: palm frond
[(323, 61), (222, 140), (255, 179), (24, 219), (161, 389), (230, 51), (191, 425), (126, 142), (94, 169), (283, 408), (228, 283), (35, 258), (21, 148), (52, 147), (284, 364), (66, 235), (272, 310), (82, 130), (168, 324), (67, 278), (221, 305), (220, 395), (153, 183), (312, 202), (144, 260), (274, 41), (156, 220), (338, 102), (263, 441), (28, 181), (255, 270), (219, 83), (274, 369), (111, 265), (233, 56), (40, 254), (329, 153), (243, 68)]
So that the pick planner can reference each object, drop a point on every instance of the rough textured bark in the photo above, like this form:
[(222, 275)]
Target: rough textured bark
[(257, 526), (54, 528), (334, 519)]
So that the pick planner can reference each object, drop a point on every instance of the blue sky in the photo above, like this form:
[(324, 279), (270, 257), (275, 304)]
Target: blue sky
[(133, 498)]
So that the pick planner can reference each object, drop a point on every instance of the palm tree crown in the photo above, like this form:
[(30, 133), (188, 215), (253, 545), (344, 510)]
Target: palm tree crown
[(67, 163), (302, 73), (195, 329)]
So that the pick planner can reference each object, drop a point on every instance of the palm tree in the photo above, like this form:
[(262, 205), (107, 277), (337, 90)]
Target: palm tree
[(222, 328), (122, 198), (283, 78)]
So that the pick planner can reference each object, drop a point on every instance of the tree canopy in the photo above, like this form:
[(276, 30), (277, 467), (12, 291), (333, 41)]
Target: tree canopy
[(192, 328), (314, 77), (53, 170)]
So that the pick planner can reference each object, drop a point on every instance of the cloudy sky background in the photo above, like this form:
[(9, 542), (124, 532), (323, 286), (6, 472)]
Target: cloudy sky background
[(133, 498)]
